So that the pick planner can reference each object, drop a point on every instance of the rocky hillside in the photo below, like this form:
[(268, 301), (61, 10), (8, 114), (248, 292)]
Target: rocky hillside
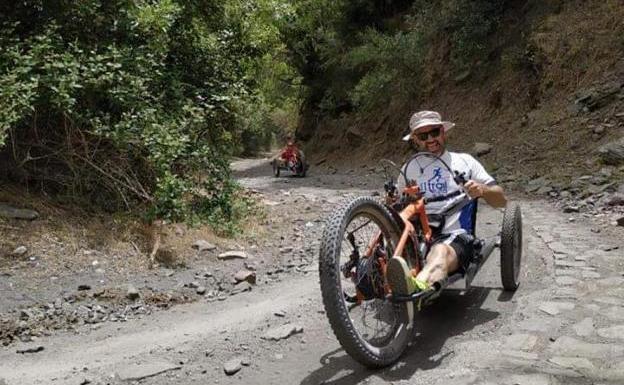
[(543, 106)]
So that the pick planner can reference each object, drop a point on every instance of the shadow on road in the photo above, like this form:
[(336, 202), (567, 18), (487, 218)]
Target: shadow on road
[(452, 314), (258, 174)]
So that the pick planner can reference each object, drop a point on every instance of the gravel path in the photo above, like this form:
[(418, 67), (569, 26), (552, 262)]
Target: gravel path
[(564, 325)]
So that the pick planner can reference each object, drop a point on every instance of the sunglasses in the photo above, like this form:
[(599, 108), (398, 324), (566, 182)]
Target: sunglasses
[(422, 136)]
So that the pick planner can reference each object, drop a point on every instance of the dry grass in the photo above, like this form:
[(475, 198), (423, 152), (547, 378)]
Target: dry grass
[(67, 239)]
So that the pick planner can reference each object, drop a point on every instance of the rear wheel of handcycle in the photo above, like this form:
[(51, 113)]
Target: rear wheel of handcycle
[(276, 169), (511, 248), (301, 169), (371, 329), (301, 165)]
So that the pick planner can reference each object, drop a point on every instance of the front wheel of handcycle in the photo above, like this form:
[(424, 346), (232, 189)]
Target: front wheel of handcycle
[(511, 248), (358, 240)]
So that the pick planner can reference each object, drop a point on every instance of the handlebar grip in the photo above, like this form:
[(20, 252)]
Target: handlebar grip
[(460, 178)]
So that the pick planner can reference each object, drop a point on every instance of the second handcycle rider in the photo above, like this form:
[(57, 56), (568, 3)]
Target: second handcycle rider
[(452, 245)]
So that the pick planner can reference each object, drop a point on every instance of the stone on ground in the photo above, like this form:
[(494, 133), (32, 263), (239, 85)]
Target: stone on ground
[(19, 251), (229, 255), (481, 148), (11, 212), (132, 293), (232, 366), (245, 275), (202, 245), (612, 153), (282, 332)]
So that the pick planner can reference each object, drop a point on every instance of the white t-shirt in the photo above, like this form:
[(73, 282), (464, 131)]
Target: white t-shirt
[(434, 180)]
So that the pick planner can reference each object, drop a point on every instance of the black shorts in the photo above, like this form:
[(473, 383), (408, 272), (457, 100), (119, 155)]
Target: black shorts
[(463, 246)]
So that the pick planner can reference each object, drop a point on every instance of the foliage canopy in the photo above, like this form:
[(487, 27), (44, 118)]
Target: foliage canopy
[(127, 102)]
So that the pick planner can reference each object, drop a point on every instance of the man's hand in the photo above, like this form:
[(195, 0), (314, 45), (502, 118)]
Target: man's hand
[(474, 189), (493, 195)]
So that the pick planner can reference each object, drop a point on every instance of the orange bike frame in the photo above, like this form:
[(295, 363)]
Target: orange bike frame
[(411, 211)]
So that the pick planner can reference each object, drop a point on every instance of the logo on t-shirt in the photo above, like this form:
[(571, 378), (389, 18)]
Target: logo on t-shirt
[(437, 184)]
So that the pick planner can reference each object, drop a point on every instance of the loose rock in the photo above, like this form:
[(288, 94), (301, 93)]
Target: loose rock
[(233, 366), (229, 255), (30, 349), (481, 148), (571, 209), (19, 251), (245, 275), (612, 153), (202, 245), (132, 293), (7, 211), (282, 332), (241, 287)]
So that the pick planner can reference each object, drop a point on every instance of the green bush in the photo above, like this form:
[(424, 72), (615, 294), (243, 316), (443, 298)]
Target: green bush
[(356, 55), (391, 65), (123, 104)]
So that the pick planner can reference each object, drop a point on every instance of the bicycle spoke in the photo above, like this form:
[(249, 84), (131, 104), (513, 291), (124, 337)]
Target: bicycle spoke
[(374, 318)]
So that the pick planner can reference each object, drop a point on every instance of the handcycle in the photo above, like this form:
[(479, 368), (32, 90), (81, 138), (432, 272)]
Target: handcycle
[(293, 162), (374, 325)]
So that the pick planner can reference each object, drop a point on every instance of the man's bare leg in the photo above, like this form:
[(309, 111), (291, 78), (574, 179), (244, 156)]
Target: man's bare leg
[(440, 260)]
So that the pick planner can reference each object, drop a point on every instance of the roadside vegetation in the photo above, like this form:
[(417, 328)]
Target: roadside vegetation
[(139, 105)]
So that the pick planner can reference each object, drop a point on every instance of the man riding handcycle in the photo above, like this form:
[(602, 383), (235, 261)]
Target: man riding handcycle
[(290, 158), (452, 244), (377, 260)]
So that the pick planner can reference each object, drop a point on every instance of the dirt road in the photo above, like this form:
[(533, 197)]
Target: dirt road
[(565, 324)]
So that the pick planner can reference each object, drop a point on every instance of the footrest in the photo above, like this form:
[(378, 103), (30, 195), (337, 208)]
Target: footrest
[(396, 298)]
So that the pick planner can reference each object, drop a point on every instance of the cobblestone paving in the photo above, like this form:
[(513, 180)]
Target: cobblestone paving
[(569, 332)]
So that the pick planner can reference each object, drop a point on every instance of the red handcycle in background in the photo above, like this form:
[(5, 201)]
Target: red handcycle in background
[(290, 159)]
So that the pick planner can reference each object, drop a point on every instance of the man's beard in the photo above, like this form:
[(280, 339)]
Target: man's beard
[(440, 147)]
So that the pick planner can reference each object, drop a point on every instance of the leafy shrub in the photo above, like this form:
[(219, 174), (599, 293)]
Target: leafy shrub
[(472, 23), (359, 54), (391, 65), (123, 104)]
